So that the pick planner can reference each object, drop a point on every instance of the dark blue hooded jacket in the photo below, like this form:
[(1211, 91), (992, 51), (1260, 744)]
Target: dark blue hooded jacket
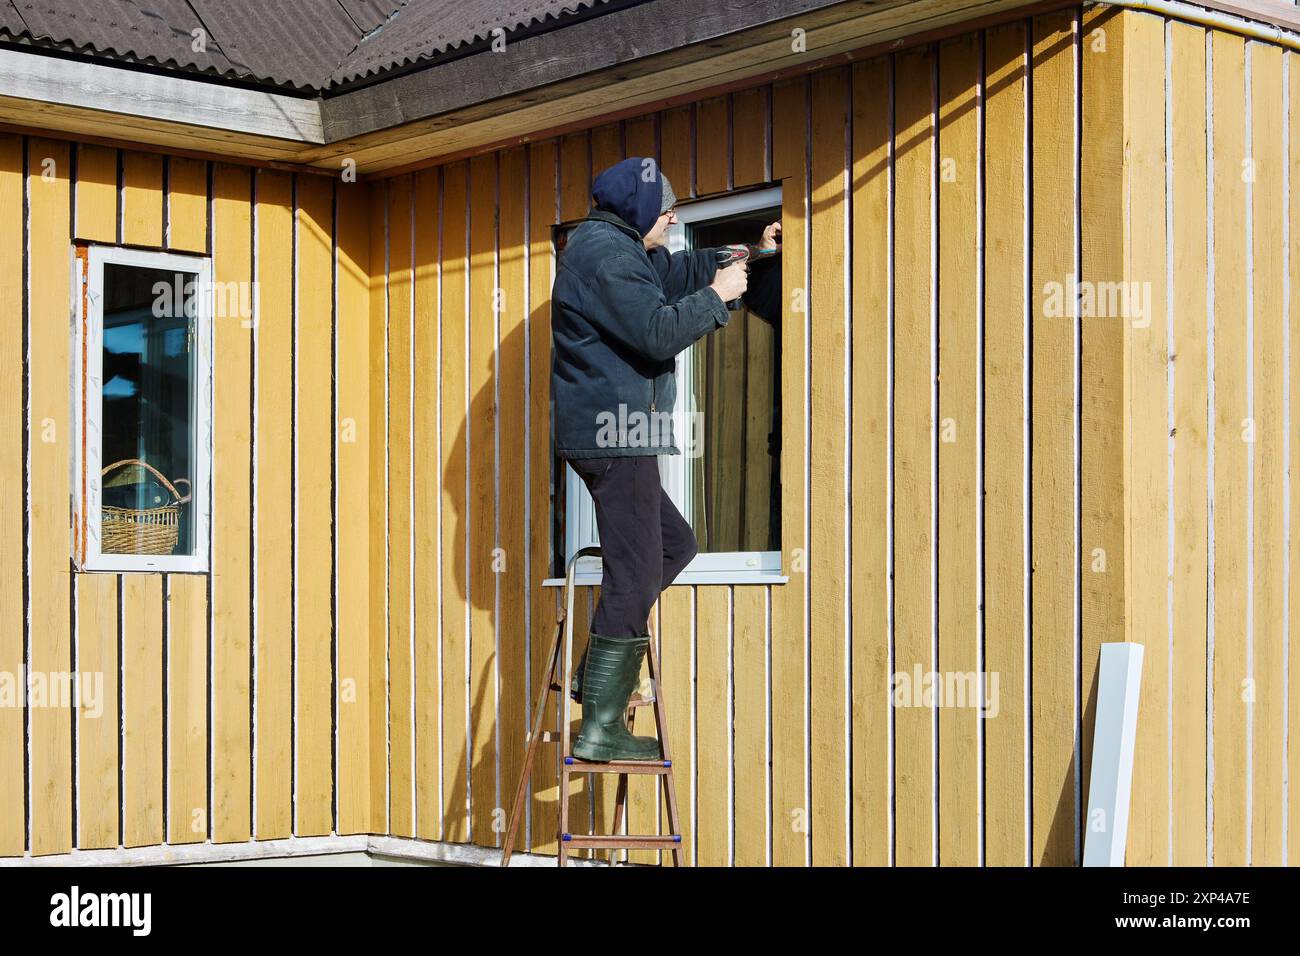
[(619, 316)]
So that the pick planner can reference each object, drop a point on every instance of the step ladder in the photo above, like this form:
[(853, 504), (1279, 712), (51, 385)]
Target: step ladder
[(555, 679)]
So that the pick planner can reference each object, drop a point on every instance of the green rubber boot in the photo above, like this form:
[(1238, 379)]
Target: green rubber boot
[(575, 685), (612, 673)]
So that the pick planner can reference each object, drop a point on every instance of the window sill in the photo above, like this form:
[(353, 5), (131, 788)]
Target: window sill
[(588, 579)]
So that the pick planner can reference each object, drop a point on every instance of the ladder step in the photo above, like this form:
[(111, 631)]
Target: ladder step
[(619, 766), (618, 841)]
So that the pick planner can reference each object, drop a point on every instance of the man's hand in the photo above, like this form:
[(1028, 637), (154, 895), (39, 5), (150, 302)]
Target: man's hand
[(731, 282), (770, 234)]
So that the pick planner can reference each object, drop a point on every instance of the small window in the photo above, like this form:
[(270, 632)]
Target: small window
[(143, 366), (727, 418)]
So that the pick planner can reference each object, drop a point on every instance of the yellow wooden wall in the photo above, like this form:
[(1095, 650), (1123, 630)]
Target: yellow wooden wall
[(973, 479), (236, 703)]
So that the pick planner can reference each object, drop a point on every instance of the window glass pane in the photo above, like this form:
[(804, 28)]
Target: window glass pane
[(146, 415), (733, 482)]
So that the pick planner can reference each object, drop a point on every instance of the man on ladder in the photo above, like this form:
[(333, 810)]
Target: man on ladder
[(622, 308)]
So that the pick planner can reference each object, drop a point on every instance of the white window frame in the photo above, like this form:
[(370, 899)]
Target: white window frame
[(87, 391), (722, 567)]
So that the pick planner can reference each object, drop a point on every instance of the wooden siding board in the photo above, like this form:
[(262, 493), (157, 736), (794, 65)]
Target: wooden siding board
[(828, 540), (273, 506), (401, 773), (1191, 443), (1231, 475), (958, 451), (1052, 479), (142, 199), (142, 709), (512, 363), (231, 594), (13, 813), (1268, 632), (1006, 344), (50, 431), (425, 510), (187, 204), (352, 501), (313, 436), (97, 193), (187, 708), (98, 757), (914, 450), (542, 213), (455, 649), (790, 811)]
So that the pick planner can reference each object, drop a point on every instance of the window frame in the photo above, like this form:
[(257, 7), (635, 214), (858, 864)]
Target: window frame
[(717, 567), (87, 397)]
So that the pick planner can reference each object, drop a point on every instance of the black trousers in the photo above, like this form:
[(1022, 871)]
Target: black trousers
[(644, 540)]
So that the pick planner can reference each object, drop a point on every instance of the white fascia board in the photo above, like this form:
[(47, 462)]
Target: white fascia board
[(106, 89)]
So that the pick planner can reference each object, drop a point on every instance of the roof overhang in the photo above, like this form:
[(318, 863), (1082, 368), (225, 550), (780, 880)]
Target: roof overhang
[(632, 59)]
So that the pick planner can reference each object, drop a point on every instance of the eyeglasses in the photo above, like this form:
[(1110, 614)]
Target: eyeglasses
[(671, 214)]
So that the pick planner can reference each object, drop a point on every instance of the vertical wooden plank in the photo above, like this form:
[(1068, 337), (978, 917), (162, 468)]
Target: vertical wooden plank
[(829, 481), (142, 710), (542, 213), (352, 500), (871, 389), (575, 176), (13, 814), (187, 708), (791, 815), (142, 199), (914, 449), (1269, 465), (675, 652), (713, 728), (98, 760), (1052, 456), (606, 147), (96, 193), (1191, 443), (512, 360), (273, 506), (482, 504), (677, 147), (749, 670), (455, 581), (424, 517), (750, 137), (376, 212), (1231, 472), (581, 808), (1005, 378), (1145, 315), (49, 432), (1293, 259), (313, 626), (187, 204), (639, 135), (231, 475), (712, 145), (401, 774), (959, 429)]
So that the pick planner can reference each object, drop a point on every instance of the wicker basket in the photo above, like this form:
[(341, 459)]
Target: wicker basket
[(142, 530)]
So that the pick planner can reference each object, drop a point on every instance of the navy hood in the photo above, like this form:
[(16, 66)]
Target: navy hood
[(631, 190)]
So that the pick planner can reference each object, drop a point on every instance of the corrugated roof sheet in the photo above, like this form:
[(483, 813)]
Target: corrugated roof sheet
[(308, 44), (424, 28), (296, 43), (156, 31)]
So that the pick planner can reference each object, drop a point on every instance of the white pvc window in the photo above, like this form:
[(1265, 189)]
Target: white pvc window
[(142, 347), (693, 479)]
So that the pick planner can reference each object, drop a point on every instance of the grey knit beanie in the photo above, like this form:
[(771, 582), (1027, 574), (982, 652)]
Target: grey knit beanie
[(669, 197)]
